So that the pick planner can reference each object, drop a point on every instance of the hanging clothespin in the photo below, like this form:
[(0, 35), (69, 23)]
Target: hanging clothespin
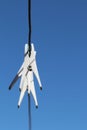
[(26, 73)]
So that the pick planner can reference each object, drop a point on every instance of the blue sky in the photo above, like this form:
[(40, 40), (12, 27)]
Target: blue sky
[(59, 33)]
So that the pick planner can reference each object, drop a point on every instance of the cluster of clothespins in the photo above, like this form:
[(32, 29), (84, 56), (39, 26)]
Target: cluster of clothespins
[(27, 71)]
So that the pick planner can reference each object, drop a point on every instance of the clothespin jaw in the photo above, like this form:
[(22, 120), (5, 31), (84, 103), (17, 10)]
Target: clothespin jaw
[(29, 49)]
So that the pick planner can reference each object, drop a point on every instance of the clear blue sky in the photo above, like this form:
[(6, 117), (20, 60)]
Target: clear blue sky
[(59, 33)]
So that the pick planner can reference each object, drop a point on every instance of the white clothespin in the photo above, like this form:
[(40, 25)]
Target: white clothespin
[(26, 72)]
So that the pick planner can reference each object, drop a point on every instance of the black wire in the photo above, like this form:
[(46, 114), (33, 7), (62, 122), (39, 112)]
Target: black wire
[(29, 112), (29, 44), (29, 23)]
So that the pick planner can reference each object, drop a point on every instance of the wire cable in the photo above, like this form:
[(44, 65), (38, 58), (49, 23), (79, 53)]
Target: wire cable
[(29, 25), (29, 111), (29, 50)]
